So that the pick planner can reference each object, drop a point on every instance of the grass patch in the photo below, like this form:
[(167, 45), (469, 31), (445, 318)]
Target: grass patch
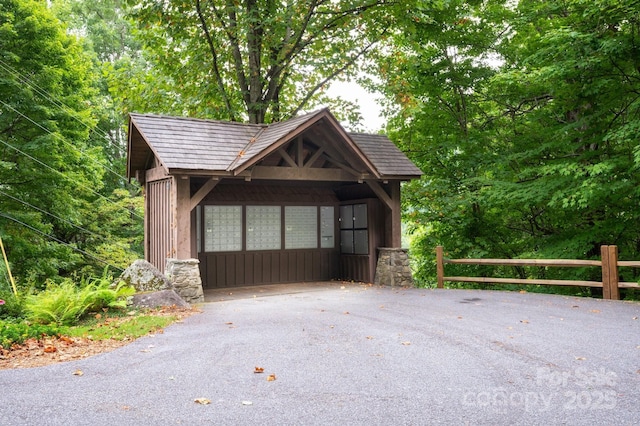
[(114, 324), (119, 327)]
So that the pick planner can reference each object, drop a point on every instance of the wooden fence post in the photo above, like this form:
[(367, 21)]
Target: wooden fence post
[(440, 266), (610, 288)]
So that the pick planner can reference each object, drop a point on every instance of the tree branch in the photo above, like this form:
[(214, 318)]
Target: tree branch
[(330, 77), (214, 60)]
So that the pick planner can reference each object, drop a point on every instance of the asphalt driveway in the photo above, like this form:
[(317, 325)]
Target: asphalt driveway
[(355, 355)]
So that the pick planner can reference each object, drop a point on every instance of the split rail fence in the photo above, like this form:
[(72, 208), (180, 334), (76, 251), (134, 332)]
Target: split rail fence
[(609, 264)]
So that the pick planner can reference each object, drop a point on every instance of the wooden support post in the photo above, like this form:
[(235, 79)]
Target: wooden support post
[(440, 266), (181, 217), (396, 215), (610, 288)]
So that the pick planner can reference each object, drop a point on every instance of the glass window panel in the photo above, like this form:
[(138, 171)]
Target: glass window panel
[(346, 242), (346, 217), (222, 228), (361, 242), (360, 216), (327, 228), (263, 228), (301, 227)]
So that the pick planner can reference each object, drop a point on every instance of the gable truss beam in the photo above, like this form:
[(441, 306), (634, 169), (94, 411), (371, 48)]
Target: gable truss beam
[(286, 157), (346, 168), (300, 149), (314, 157)]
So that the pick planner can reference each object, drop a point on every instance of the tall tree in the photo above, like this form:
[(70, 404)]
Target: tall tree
[(50, 172), (434, 78), (252, 60), (535, 154)]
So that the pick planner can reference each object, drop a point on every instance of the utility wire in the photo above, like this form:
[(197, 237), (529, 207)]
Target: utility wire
[(57, 217), (63, 175), (60, 241), (42, 92), (62, 139)]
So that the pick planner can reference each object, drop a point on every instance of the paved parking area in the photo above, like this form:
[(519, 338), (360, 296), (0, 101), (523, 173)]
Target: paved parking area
[(355, 354)]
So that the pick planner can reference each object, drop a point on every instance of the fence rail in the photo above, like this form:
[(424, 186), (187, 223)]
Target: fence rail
[(609, 264)]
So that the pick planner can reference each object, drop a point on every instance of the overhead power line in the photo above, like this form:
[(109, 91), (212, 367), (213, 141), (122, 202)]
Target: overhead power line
[(59, 137), (55, 216), (46, 95), (64, 176), (51, 237)]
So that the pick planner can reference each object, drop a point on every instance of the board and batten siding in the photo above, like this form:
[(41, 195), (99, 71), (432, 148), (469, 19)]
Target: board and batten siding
[(266, 267), (159, 243)]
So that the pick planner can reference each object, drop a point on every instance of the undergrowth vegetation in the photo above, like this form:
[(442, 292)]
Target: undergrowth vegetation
[(59, 306), (66, 303)]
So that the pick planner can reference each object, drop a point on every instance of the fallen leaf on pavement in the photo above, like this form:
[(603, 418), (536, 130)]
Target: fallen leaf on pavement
[(78, 373), (271, 378), (406, 343), (202, 401), (524, 321), (258, 370), (580, 358)]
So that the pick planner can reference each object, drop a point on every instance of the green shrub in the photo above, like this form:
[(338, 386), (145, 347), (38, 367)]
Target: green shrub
[(13, 306), (101, 295), (18, 332), (61, 304), (66, 303)]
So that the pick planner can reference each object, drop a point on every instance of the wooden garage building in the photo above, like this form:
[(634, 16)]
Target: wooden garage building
[(299, 200)]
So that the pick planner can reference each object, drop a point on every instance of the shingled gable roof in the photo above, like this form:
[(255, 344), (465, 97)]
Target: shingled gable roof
[(217, 146)]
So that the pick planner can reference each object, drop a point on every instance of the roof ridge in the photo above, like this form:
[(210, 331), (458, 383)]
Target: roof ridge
[(253, 139)]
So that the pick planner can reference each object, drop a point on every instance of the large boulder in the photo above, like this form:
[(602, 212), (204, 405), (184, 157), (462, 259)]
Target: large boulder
[(158, 298), (145, 277)]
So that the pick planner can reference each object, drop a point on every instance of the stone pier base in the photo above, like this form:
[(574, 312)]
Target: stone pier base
[(393, 268), (184, 274)]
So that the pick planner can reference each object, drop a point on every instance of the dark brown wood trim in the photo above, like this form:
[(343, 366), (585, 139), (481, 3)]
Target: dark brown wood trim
[(203, 191), (157, 173), (285, 139), (182, 217), (314, 157), (298, 173), (286, 157), (381, 193)]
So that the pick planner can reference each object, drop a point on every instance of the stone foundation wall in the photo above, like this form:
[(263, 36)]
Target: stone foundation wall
[(393, 268), (184, 274)]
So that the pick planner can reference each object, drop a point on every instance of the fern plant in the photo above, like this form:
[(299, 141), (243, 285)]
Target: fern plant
[(61, 304), (66, 303)]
